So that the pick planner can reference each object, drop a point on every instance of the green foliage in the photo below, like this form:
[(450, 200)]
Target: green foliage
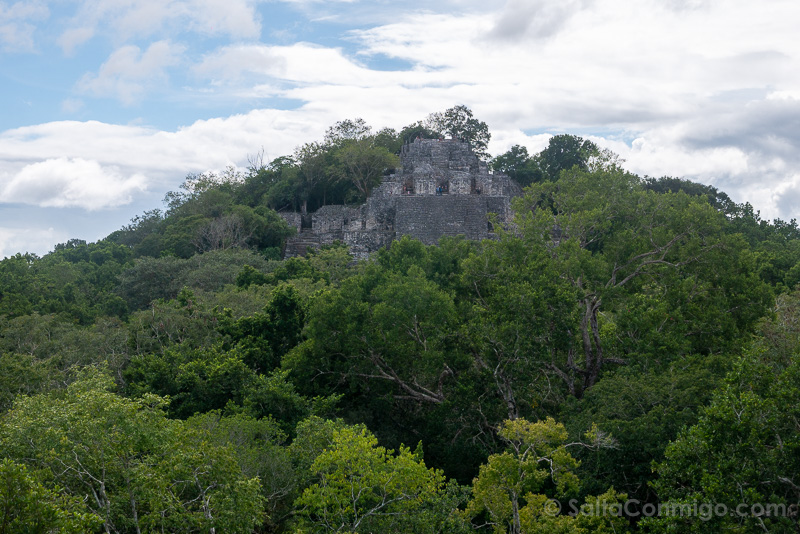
[(133, 467), (536, 457), (563, 152), (521, 314), (459, 123), (204, 362), (151, 279), (184, 321), (258, 447), (668, 184), (417, 129), (363, 163), (776, 245), (395, 328), (621, 246), (614, 303), (517, 164), (597, 515), (212, 212), (263, 338), (40, 353), (28, 507), (389, 139), (74, 281), (362, 487), (743, 452), (644, 410), (514, 490)]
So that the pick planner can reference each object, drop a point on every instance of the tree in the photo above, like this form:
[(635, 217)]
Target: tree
[(222, 233), (564, 152), (517, 164), (28, 507), (362, 487), (417, 129), (362, 163), (258, 447), (312, 162), (140, 227), (263, 338), (389, 139), (459, 123), (716, 198), (347, 130), (742, 453), (617, 245), (521, 313), (398, 330), (645, 408), (133, 467), (509, 491)]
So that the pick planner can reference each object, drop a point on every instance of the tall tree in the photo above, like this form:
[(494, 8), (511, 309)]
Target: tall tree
[(347, 130), (362, 163), (135, 469), (519, 165), (28, 507), (459, 123), (362, 487), (511, 492), (741, 456), (313, 162), (609, 239), (564, 152)]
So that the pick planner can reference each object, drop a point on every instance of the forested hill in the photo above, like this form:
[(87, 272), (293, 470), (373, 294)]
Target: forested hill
[(630, 346)]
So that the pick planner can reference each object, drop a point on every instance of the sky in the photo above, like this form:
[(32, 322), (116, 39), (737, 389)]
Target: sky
[(105, 105)]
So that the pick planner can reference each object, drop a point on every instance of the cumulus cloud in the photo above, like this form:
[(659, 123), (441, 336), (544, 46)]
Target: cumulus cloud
[(129, 72), (301, 64), (133, 19), (535, 19), (72, 38), (71, 182), (15, 239), (766, 128), (112, 165), (231, 63), (787, 198), (16, 25)]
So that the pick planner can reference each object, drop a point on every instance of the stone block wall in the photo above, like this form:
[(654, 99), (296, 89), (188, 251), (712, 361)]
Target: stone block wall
[(293, 219), (428, 218), (335, 218), (407, 203)]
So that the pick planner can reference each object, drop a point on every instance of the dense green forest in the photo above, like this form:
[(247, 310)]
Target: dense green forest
[(625, 358)]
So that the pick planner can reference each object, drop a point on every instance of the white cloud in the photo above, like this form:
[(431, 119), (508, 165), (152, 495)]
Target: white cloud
[(129, 72), (787, 197), (136, 19), (72, 38), (111, 165), (230, 63), (15, 239), (71, 182), (16, 25), (237, 18), (301, 64), (71, 105), (534, 18)]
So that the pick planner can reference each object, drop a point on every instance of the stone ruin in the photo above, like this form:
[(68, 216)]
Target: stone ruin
[(441, 188)]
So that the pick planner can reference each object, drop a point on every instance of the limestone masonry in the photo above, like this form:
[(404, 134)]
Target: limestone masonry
[(441, 188)]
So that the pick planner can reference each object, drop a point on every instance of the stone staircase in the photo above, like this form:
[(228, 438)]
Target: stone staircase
[(298, 245)]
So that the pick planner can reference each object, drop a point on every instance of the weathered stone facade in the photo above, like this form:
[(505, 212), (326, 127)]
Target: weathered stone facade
[(441, 188)]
